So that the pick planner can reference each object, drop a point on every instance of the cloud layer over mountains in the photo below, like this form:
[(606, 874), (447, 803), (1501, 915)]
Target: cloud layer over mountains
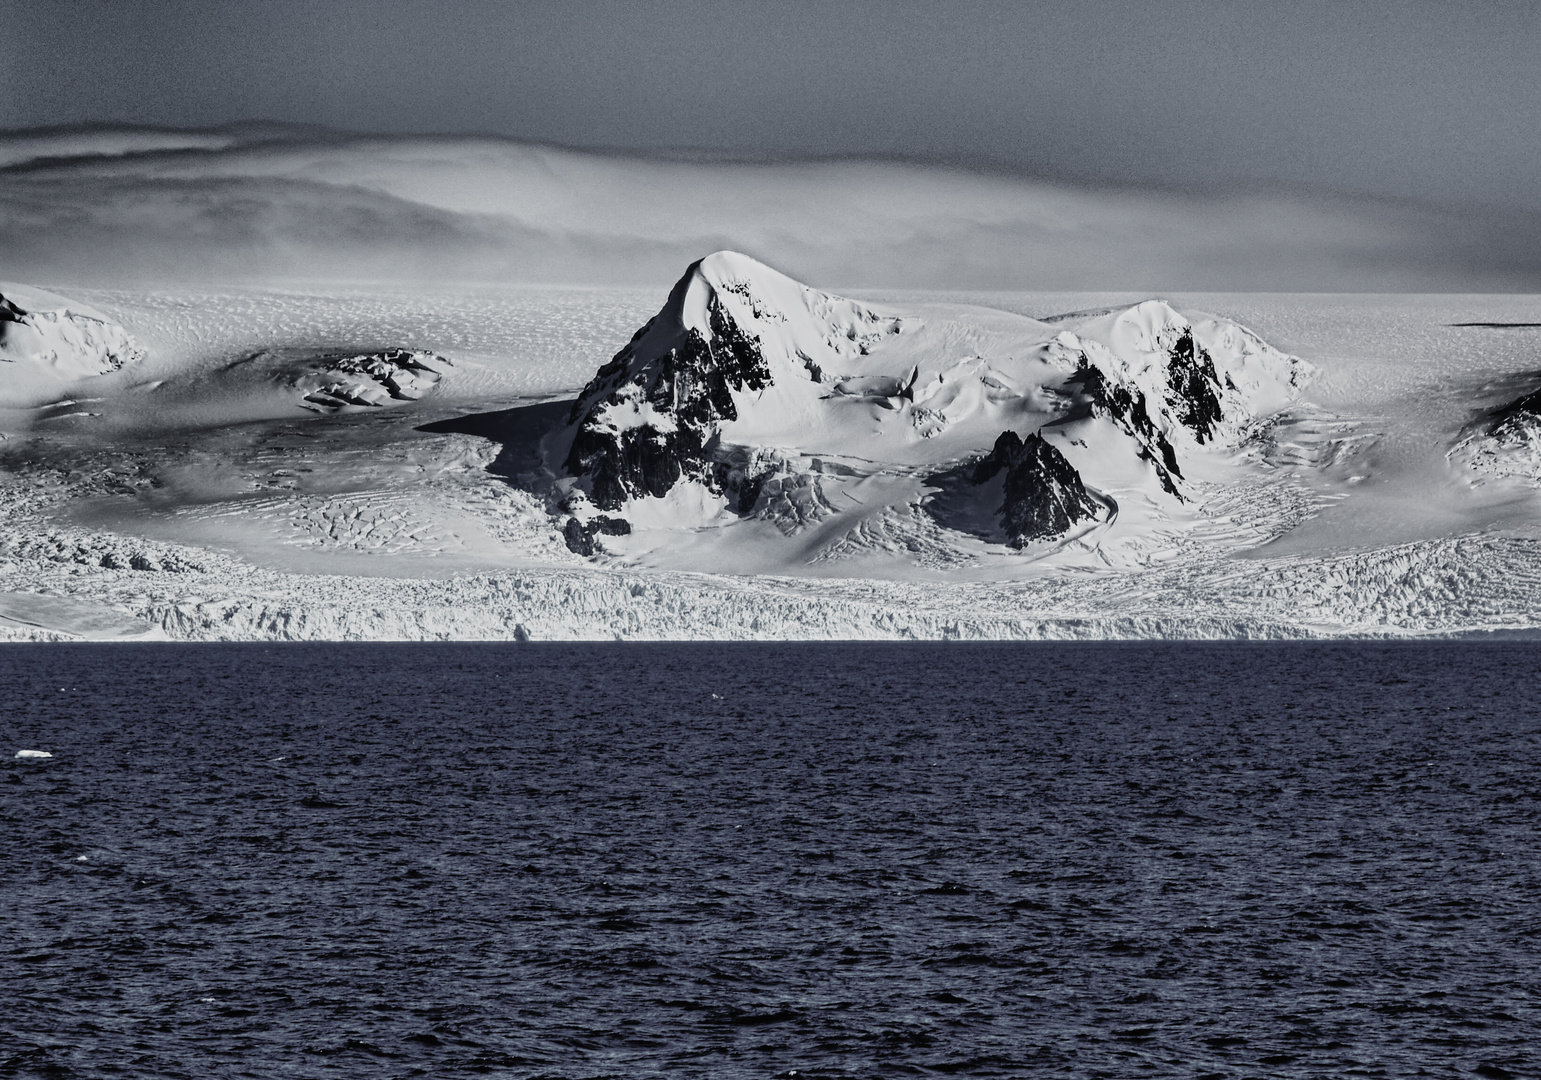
[(261, 202)]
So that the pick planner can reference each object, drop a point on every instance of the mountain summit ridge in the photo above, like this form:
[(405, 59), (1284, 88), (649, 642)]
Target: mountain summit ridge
[(753, 389)]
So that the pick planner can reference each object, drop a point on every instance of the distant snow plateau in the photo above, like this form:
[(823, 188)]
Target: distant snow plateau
[(762, 459)]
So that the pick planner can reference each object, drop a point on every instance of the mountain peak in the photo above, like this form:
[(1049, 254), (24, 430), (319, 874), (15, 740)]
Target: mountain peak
[(762, 391)]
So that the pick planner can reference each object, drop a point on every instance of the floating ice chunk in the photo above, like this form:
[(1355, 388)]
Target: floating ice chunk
[(32, 755)]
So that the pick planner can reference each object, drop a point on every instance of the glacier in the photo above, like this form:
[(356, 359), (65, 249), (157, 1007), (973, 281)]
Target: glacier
[(324, 463)]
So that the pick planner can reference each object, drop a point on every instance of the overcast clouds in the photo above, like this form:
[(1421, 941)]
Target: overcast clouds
[(252, 206), (1432, 101)]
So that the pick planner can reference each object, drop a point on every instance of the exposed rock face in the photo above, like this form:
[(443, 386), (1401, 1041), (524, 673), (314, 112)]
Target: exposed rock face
[(1195, 387), (645, 422), (1192, 397), (736, 344), (1044, 496), (1127, 407), (579, 535), (748, 392)]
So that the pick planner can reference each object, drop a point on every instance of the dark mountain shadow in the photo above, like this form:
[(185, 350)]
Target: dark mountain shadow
[(517, 432)]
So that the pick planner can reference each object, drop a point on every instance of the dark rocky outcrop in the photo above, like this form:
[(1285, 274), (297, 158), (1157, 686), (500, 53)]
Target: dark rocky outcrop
[(688, 388), (1193, 397), (1044, 497), (9, 312), (1127, 408), (579, 542), (633, 462), (580, 535), (1194, 387)]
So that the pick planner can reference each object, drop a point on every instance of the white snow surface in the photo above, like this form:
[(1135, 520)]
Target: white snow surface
[(190, 496), (47, 341)]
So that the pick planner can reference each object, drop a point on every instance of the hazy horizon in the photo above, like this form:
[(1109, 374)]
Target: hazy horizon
[(1189, 145), (258, 202), (1417, 100)]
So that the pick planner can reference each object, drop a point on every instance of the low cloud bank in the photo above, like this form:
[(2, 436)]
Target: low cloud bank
[(262, 203)]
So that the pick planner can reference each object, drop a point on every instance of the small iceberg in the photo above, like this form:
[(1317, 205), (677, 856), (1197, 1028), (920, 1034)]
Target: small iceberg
[(32, 755)]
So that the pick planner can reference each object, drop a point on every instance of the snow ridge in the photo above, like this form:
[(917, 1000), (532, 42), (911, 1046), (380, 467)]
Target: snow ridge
[(1170, 383), (651, 417), (62, 340)]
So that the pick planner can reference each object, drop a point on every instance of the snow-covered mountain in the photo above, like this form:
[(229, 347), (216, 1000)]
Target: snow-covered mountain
[(752, 397), (780, 463), (46, 334)]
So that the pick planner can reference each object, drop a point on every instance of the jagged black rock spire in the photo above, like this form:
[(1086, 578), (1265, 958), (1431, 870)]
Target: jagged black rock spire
[(687, 392), (1044, 496), (1194, 387)]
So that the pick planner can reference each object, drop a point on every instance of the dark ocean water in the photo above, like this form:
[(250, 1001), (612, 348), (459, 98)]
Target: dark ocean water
[(771, 860)]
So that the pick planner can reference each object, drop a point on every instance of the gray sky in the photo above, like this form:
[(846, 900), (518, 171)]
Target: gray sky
[(1429, 100)]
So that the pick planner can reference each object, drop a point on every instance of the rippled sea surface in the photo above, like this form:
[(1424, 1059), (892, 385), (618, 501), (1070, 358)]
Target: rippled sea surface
[(771, 860)]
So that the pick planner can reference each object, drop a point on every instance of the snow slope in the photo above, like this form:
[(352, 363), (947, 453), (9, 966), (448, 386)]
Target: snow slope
[(47, 341)]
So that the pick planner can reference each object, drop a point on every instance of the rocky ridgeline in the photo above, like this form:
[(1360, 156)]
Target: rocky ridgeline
[(1044, 497), (1192, 397), (1194, 387), (652, 417), (643, 422), (735, 335)]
